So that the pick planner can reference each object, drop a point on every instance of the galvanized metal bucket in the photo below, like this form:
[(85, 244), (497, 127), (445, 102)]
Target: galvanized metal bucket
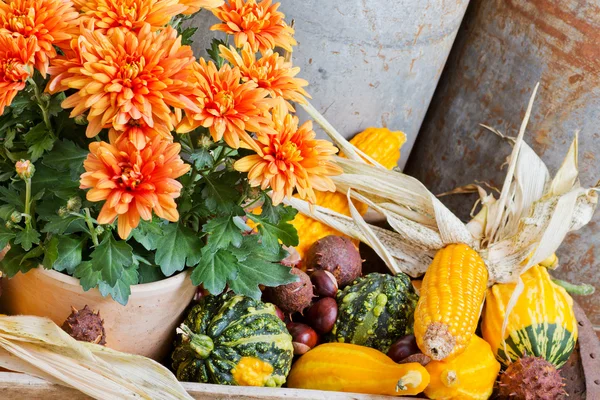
[(369, 63), (502, 50)]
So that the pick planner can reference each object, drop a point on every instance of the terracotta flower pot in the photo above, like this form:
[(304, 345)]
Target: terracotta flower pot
[(145, 326)]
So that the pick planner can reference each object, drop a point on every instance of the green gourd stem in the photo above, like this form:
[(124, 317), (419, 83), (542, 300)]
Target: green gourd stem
[(582, 289), (201, 344)]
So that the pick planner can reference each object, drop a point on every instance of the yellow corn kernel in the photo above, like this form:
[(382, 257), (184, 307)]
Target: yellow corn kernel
[(451, 297)]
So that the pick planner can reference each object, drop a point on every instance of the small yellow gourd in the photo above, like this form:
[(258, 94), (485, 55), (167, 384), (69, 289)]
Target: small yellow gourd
[(469, 376), (344, 367), (541, 324), (383, 146)]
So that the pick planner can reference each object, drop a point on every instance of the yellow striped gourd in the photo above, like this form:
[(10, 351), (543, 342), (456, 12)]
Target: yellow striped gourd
[(542, 323)]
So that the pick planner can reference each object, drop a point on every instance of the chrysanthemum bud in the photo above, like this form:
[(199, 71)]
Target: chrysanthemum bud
[(16, 217), (99, 230), (9, 224), (45, 96), (74, 204), (63, 212), (205, 142), (25, 169), (81, 120)]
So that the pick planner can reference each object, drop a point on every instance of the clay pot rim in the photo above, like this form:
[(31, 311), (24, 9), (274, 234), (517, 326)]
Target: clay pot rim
[(173, 281)]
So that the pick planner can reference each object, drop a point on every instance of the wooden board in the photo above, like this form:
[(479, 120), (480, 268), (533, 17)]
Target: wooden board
[(582, 375)]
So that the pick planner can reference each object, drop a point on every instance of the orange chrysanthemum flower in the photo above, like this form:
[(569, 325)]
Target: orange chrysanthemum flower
[(139, 133), (126, 76), (129, 14), (270, 72), (193, 6), (50, 22), (259, 24), (292, 159), (134, 182), (16, 65), (227, 106)]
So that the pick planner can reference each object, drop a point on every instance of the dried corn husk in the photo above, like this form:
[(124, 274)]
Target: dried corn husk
[(38, 347), (523, 226)]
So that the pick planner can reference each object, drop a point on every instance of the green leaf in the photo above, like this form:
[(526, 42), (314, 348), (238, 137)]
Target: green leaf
[(179, 248), (50, 253), (69, 224), (6, 235), (223, 232), (27, 238), (254, 271), (66, 156), (9, 139), (6, 211), (274, 226), (111, 257), (149, 234), (39, 140), (215, 53), (186, 36), (122, 289), (35, 253), (150, 273), (11, 196), (215, 270), (202, 159), (243, 268), (89, 278), (54, 108), (47, 178), (69, 253), (220, 194), (13, 262)]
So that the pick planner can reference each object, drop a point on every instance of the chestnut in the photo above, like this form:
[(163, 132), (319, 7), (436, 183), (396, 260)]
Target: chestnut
[(325, 284), (403, 347), (279, 313), (322, 315), (304, 337)]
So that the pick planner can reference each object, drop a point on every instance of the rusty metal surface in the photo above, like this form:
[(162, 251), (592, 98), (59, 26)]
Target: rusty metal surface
[(503, 48), (369, 63)]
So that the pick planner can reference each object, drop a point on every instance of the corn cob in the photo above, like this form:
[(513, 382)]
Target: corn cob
[(452, 294), (383, 146)]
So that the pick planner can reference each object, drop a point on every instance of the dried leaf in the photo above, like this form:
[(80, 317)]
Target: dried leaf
[(38, 347)]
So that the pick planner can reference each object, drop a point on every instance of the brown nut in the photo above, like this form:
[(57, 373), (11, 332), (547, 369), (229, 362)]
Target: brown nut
[(304, 337), (403, 347), (337, 255), (322, 315), (325, 284)]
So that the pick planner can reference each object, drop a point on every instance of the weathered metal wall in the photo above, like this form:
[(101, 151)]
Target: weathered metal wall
[(369, 63), (503, 48)]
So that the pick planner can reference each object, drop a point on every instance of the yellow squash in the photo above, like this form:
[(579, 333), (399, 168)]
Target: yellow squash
[(469, 376), (451, 296), (383, 146), (344, 367), (542, 323)]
